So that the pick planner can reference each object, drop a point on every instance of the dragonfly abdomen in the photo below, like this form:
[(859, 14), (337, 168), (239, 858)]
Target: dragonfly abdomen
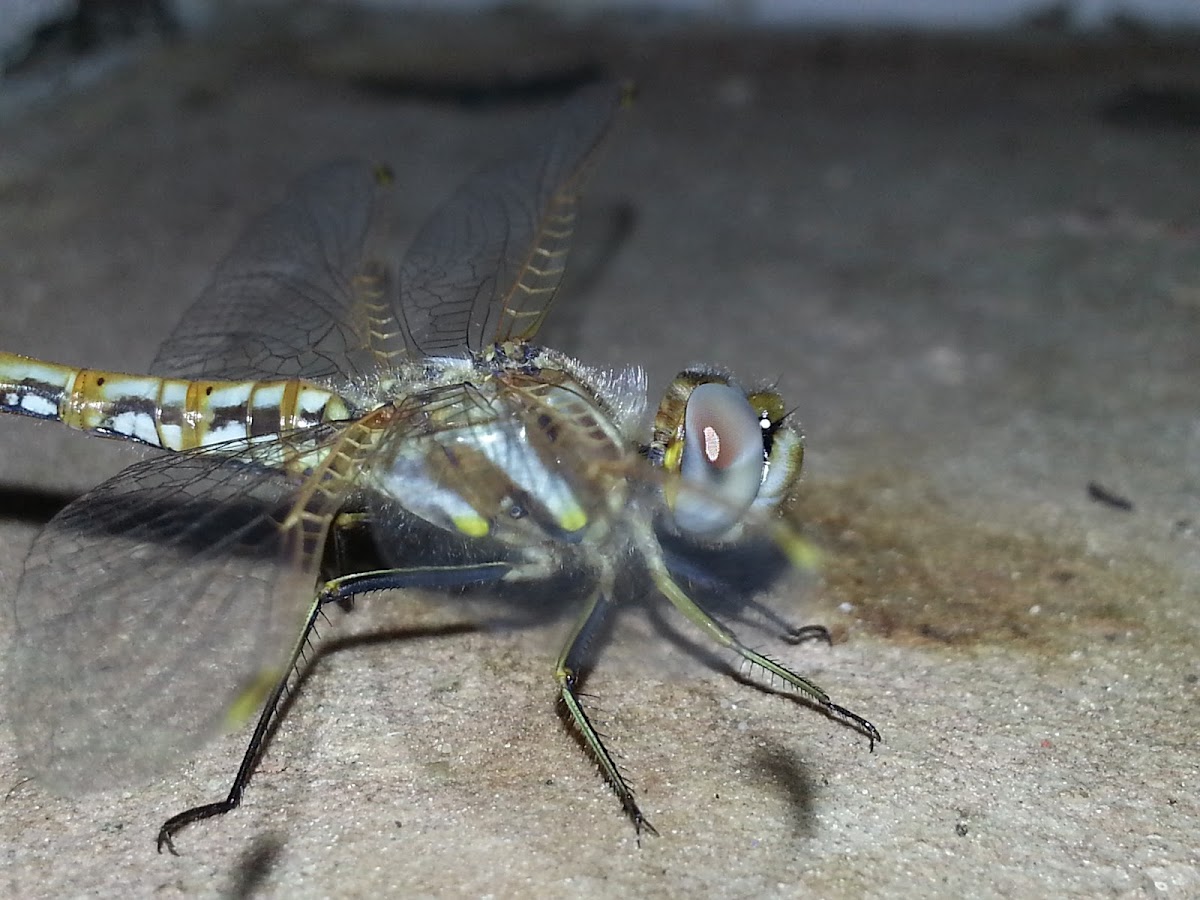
[(172, 413)]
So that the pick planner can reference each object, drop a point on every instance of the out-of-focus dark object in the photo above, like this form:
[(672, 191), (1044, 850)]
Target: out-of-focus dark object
[(482, 89), (1101, 494), (90, 25), (1157, 108)]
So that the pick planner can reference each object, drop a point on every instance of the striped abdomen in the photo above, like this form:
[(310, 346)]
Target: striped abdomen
[(171, 413)]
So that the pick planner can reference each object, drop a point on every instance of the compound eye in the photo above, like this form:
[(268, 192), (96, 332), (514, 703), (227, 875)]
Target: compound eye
[(722, 461)]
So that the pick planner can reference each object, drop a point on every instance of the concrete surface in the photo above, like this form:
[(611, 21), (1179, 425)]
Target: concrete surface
[(973, 269)]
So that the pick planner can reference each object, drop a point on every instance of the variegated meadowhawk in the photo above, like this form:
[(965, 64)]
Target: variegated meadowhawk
[(311, 393)]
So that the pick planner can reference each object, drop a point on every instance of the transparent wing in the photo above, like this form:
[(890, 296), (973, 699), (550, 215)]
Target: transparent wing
[(285, 302), (486, 266), (407, 459), (152, 603)]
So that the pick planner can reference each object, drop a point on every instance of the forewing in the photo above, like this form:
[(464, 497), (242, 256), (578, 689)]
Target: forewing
[(152, 603), (285, 303), (486, 266)]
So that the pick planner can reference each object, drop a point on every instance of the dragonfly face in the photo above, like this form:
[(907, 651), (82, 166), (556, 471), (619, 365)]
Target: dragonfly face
[(310, 390), (735, 456)]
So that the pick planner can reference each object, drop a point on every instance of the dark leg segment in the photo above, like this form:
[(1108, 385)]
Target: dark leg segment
[(803, 633), (336, 590), (567, 673)]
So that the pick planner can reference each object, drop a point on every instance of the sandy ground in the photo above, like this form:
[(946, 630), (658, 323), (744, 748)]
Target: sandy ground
[(971, 267)]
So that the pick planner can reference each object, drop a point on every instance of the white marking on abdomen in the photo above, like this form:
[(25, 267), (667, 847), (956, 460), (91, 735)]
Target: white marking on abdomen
[(230, 395), (38, 406), (136, 425)]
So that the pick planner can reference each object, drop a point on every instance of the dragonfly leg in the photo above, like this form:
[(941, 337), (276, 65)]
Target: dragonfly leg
[(337, 590), (346, 529), (793, 634), (726, 638), (801, 633), (568, 673)]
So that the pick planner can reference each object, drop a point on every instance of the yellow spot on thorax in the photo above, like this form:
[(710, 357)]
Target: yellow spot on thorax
[(472, 526)]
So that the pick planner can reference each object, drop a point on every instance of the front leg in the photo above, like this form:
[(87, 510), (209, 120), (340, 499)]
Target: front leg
[(567, 674)]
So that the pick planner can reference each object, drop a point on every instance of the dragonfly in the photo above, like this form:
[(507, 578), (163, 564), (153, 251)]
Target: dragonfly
[(315, 393)]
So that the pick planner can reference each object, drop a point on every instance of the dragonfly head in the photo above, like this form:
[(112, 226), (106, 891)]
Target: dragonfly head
[(731, 455)]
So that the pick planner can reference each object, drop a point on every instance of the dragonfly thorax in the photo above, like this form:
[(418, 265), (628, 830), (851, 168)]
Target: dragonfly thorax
[(518, 443)]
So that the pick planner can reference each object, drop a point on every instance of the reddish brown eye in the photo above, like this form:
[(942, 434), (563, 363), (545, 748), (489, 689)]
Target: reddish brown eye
[(722, 460)]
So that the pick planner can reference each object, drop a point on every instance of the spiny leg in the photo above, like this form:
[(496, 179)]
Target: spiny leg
[(567, 673), (336, 590), (726, 638)]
